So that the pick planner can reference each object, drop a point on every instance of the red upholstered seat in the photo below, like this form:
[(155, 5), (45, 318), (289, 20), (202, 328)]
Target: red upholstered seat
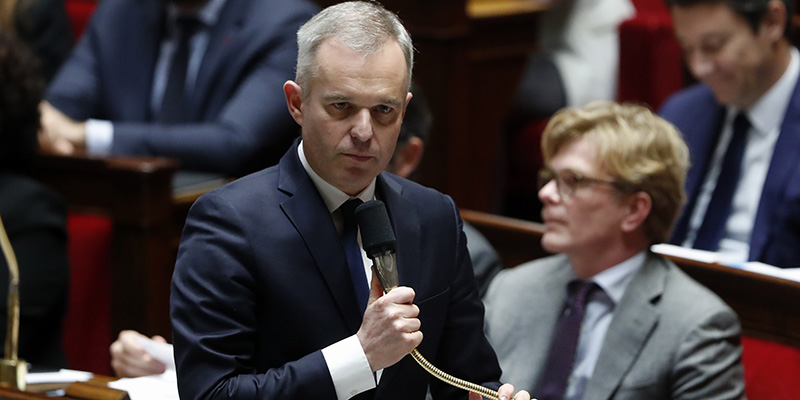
[(87, 325), (650, 64), (771, 370)]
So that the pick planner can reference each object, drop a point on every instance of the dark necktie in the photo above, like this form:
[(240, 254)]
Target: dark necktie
[(719, 208), (561, 357), (353, 252), (173, 109)]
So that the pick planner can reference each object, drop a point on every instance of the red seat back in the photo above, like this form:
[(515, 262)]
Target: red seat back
[(771, 370), (87, 325), (650, 64)]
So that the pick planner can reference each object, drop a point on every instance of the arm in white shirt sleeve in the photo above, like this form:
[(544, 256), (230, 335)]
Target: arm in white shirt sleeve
[(349, 368)]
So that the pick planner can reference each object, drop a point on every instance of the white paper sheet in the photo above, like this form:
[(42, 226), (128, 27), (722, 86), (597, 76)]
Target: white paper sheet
[(719, 258), (160, 351), (155, 387), (61, 376)]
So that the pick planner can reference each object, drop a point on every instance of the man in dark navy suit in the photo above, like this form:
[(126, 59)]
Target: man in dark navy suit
[(742, 125), (195, 80), (264, 304)]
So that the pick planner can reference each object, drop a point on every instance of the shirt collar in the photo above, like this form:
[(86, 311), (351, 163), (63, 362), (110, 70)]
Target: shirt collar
[(209, 13), (331, 195), (615, 280), (767, 113)]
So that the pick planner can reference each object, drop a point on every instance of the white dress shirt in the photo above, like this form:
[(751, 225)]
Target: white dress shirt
[(347, 362), (766, 117)]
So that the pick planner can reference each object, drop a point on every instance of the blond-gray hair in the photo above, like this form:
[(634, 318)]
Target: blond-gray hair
[(641, 151)]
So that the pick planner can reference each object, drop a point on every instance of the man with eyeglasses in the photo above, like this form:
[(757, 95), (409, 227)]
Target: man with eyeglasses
[(606, 318), (742, 128)]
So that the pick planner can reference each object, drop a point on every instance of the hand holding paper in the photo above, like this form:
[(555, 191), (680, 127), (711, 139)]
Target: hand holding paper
[(133, 354)]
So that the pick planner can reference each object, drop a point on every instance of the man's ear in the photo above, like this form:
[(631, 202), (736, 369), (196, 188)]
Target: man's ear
[(407, 158), (405, 107), (773, 23), (294, 100), (639, 206)]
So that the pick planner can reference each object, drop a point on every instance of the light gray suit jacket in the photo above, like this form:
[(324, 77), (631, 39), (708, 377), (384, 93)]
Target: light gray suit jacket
[(670, 337)]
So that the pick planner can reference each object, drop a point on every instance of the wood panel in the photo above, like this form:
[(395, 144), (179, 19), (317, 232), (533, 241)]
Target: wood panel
[(136, 193)]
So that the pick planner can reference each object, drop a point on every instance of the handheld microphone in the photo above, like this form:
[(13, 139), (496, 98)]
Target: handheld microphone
[(377, 237), (378, 240)]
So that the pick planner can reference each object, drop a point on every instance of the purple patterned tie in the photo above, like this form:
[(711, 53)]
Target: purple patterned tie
[(560, 359)]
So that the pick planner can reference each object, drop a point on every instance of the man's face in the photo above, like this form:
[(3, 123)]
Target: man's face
[(352, 116), (721, 50), (588, 220)]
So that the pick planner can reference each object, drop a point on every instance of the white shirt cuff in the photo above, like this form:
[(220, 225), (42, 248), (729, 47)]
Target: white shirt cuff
[(99, 135), (349, 368)]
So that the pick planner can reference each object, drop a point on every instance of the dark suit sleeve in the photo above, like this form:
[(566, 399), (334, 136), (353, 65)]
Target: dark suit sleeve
[(75, 89), (708, 364), (214, 316)]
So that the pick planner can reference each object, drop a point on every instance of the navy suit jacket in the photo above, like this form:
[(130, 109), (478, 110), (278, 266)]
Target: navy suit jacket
[(237, 109), (775, 238), (261, 285)]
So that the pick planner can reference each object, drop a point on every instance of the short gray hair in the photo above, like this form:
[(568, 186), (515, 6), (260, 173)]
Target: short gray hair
[(362, 26)]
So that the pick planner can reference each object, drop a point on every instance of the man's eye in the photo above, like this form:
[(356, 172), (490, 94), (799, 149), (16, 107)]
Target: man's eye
[(340, 106), (383, 109), (713, 46), (571, 179)]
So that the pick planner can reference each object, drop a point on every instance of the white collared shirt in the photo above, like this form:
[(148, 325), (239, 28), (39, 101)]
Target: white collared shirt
[(766, 117), (599, 313), (347, 362)]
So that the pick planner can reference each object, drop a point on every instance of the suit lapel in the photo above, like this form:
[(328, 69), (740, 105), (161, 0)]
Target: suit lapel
[(406, 224), (225, 37), (635, 317), (551, 301), (140, 59), (784, 158), (701, 146), (308, 213)]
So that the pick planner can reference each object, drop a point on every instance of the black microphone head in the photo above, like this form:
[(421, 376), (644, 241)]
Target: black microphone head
[(377, 235)]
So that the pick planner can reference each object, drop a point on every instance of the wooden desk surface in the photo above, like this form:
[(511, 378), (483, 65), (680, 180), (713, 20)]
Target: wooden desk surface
[(97, 390)]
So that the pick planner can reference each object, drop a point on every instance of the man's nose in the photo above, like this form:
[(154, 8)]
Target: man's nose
[(549, 192), (362, 125), (701, 66)]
